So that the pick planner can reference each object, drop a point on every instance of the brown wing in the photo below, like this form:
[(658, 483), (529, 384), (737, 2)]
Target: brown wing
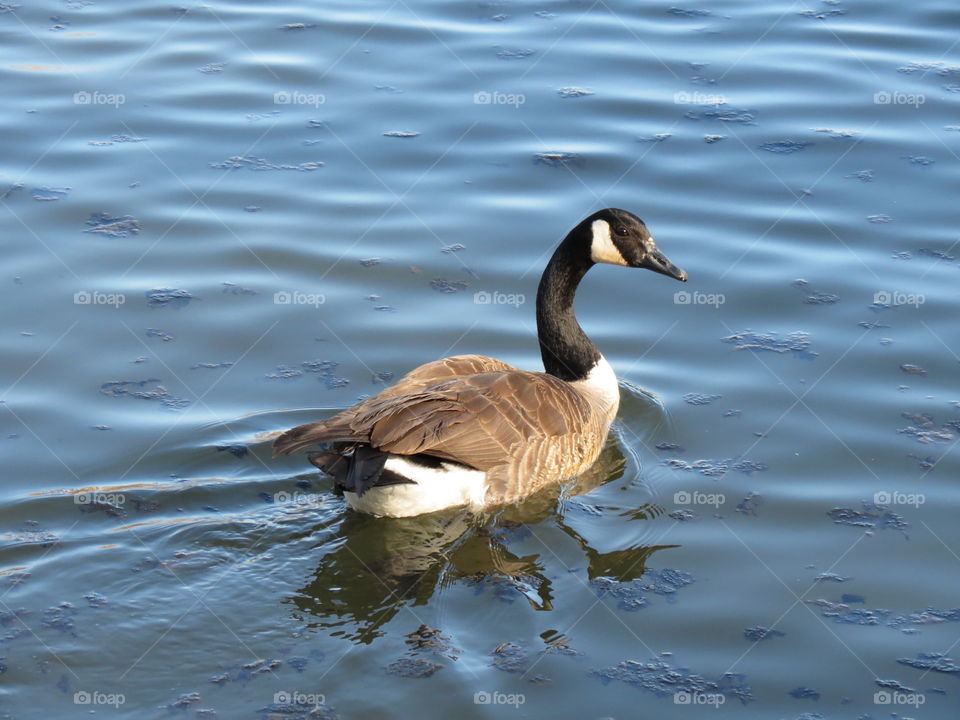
[(480, 420), (340, 427)]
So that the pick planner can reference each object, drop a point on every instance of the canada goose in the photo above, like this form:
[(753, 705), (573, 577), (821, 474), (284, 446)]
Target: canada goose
[(472, 430)]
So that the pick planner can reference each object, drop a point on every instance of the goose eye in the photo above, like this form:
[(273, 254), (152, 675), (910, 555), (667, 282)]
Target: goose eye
[(621, 231)]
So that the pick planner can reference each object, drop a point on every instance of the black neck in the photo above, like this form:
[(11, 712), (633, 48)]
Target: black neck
[(566, 350)]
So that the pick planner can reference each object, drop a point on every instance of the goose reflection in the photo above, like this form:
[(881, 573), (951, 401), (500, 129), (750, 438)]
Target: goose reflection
[(375, 567)]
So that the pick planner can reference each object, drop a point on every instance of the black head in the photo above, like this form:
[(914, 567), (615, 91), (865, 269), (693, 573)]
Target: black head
[(618, 237)]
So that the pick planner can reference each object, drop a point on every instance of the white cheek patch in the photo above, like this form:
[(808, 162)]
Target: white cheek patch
[(602, 249)]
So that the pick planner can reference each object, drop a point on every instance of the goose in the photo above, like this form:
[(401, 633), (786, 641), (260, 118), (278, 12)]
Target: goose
[(473, 431)]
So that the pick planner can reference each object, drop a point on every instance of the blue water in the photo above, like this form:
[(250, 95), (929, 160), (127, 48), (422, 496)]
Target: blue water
[(170, 176)]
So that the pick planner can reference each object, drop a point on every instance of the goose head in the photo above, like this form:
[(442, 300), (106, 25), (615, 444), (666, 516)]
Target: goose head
[(618, 237)]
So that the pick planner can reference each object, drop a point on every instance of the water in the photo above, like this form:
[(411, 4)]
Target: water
[(207, 567)]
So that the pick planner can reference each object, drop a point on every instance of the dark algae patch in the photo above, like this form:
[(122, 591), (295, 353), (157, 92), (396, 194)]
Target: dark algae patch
[(871, 516), (756, 633), (663, 679), (797, 342), (936, 662), (634, 594)]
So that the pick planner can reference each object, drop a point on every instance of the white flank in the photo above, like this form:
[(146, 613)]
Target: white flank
[(601, 385), (602, 249), (433, 489)]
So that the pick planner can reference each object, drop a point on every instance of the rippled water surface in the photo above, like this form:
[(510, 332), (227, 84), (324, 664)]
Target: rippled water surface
[(224, 219)]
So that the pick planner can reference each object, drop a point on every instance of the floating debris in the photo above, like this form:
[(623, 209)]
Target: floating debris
[(413, 668), (711, 139), (861, 175), (510, 657), (938, 662), (116, 139), (659, 137), (749, 505), (555, 159), (572, 92), (785, 147), (662, 679), (632, 595), (129, 388), (298, 711), (837, 134), (717, 468), (700, 399), (725, 114), (233, 289), (871, 516), (254, 163), (682, 515), (939, 254), (50, 194), (831, 577), (168, 297), (797, 343), (442, 285), (816, 298), (804, 693), (155, 332), (921, 160), (117, 227), (757, 633), (514, 54), (669, 446), (370, 262), (285, 372), (211, 366), (880, 219), (924, 428), (210, 68), (401, 134), (681, 12), (823, 14), (913, 369), (60, 617), (896, 686), (382, 378), (325, 368), (733, 413), (456, 247), (297, 26)]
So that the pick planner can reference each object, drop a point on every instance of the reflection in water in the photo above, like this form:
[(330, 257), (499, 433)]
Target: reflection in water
[(375, 566)]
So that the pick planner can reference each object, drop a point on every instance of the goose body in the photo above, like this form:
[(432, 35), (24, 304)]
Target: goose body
[(474, 431)]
